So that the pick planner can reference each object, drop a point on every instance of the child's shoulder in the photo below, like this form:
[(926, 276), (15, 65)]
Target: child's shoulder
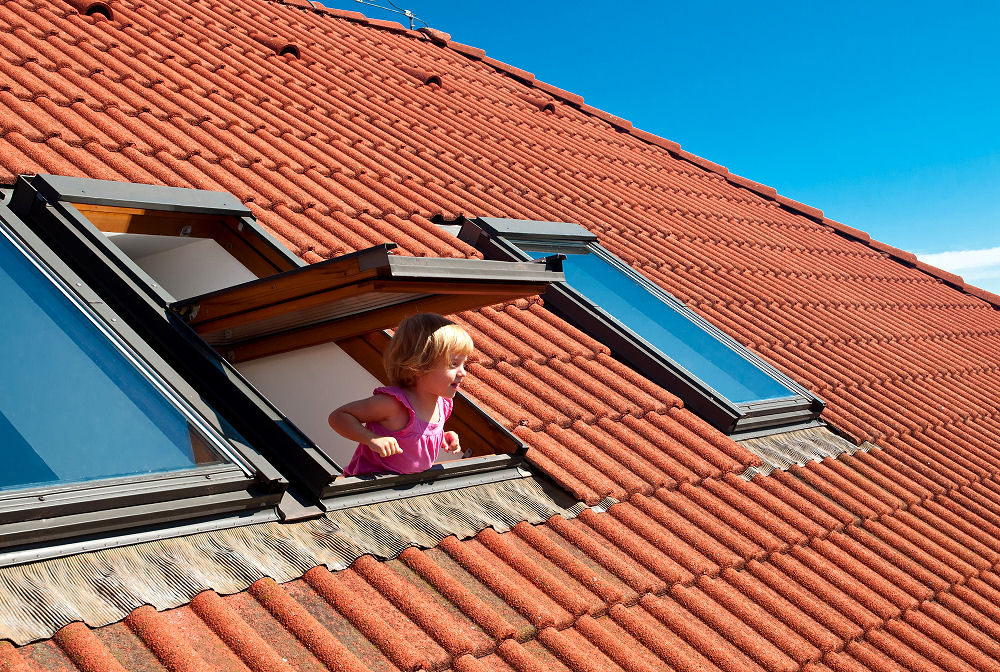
[(392, 403)]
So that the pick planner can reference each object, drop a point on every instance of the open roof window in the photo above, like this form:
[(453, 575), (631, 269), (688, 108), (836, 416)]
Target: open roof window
[(649, 329), (252, 327)]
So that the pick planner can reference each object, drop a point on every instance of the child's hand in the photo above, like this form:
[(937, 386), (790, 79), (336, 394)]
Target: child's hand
[(450, 443), (384, 446)]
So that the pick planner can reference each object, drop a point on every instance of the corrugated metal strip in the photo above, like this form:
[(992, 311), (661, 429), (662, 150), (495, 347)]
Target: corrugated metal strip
[(781, 451), (104, 586)]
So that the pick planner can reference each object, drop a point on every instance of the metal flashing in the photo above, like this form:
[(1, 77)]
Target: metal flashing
[(523, 229), (229, 559), (422, 486), (351, 486), (141, 196), (779, 451)]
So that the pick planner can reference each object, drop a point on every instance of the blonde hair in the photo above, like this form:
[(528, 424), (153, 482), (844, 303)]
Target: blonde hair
[(421, 343)]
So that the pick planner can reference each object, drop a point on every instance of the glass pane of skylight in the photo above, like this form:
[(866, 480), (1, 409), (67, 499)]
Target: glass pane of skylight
[(73, 408), (669, 330)]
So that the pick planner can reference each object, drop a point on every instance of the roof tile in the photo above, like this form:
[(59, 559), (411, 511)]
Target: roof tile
[(516, 590), (700, 529), (297, 620), (401, 650), (872, 658), (829, 592), (455, 637), (700, 636), (783, 609), (953, 643), (783, 519), (928, 649), (614, 642), (963, 617), (82, 647), (843, 550), (788, 646), (609, 556)]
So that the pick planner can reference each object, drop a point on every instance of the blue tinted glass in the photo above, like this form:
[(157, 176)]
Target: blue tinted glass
[(669, 330), (72, 407)]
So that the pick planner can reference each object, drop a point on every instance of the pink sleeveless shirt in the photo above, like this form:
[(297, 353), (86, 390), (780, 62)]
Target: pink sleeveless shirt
[(420, 441)]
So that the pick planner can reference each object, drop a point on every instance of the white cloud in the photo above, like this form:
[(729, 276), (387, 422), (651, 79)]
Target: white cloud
[(973, 265)]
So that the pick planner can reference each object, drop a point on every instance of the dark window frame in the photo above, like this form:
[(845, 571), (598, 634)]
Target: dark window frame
[(502, 239), (42, 202), (245, 482)]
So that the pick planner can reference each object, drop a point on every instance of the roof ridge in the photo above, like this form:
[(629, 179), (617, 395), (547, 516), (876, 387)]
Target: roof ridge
[(444, 39)]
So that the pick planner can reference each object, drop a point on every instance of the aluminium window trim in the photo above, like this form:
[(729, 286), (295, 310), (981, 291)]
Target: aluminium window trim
[(91, 308), (206, 490), (703, 324), (502, 239)]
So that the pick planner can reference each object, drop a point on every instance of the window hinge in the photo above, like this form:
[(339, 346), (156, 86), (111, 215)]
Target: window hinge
[(189, 311)]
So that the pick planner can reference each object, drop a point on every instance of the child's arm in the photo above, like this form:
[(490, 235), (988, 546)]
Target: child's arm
[(349, 419)]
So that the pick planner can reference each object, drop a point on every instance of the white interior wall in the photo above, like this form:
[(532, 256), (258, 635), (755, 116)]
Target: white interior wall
[(307, 384), (185, 267)]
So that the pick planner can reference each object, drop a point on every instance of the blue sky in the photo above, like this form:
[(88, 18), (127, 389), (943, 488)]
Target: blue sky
[(882, 114)]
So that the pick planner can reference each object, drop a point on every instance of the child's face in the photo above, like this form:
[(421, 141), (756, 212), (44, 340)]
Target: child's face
[(444, 379)]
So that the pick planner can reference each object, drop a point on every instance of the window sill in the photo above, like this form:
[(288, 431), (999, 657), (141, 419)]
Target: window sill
[(351, 491)]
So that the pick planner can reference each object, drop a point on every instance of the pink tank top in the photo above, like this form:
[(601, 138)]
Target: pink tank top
[(420, 441)]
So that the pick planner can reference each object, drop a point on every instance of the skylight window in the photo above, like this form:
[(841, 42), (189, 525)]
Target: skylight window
[(114, 419), (649, 329), (665, 325), (97, 431)]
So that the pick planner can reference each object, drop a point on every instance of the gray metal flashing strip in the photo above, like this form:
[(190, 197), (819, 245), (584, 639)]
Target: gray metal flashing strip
[(144, 196), (354, 486), (420, 488), (99, 587), (780, 451), (532, 230)]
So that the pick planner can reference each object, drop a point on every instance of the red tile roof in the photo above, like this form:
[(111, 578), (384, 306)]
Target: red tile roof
[(882, 560)]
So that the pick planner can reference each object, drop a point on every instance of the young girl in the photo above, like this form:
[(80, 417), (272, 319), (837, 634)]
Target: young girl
[(400, 427)]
